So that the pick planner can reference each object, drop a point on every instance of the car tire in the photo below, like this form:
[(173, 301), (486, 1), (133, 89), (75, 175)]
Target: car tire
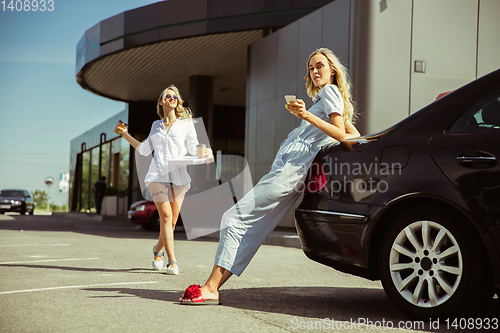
[(154, 222), (446, 276)]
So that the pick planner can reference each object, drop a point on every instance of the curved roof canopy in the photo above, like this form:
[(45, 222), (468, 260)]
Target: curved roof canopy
[(134, 55)]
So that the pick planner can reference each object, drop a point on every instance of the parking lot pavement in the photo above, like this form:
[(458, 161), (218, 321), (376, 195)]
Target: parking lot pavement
[(60, 274)]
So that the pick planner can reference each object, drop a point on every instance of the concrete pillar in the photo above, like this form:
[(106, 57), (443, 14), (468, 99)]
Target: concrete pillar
[(201, 100), (141, 116)]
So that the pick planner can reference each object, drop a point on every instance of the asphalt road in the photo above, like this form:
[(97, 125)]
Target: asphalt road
[(73, 275)]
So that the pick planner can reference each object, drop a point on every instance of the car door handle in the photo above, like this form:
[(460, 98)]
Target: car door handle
[(477, 160)]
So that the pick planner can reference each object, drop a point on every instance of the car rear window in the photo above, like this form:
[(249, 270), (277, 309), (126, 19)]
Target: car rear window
[(483, 117)]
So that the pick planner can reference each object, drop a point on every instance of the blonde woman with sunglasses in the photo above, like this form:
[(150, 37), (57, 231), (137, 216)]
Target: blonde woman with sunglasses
[(171, 137)]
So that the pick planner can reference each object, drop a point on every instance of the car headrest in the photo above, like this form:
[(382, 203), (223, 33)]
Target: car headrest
[(491, 113)]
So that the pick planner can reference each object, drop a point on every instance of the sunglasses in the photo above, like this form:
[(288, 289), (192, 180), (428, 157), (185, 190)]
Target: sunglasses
[(170, 97)]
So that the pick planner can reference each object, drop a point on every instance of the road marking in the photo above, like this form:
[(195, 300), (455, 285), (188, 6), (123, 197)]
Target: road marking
[(23, 245), (46, 260), (75, 287)]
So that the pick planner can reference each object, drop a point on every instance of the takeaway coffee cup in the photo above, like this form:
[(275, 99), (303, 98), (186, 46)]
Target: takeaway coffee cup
[(119, 127), (201, 150)]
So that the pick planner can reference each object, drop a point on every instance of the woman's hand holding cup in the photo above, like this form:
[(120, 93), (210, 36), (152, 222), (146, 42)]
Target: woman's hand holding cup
[(203, 152), (121, 128)]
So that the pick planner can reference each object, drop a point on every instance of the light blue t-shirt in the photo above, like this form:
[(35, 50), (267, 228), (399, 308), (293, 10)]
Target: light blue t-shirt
[(327, 101)]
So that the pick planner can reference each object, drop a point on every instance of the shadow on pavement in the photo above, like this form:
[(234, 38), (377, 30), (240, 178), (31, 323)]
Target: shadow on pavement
[(307, 303), (84, 269)]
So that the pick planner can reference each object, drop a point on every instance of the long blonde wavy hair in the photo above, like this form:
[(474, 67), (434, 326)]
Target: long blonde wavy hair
[(341, 80), (180, 111)]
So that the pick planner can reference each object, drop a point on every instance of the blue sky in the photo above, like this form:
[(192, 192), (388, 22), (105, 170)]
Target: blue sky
[(42, 108)]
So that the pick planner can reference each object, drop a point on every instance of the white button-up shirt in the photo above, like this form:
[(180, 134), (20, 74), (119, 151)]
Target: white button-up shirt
[(180, 140)]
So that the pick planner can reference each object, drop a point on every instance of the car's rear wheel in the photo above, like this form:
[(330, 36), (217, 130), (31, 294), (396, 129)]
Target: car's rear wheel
[(431, 265)]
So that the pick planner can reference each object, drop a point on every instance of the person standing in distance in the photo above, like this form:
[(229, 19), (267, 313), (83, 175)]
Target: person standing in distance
[(99, 189)]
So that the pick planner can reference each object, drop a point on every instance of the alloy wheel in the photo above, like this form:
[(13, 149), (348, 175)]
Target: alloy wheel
[(425, 264)]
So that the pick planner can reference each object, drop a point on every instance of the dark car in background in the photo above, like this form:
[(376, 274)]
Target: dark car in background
[(416, 206), (14, 200)]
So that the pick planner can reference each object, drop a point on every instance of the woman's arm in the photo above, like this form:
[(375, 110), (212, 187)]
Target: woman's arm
[(336, 130), (351, 131), (125, 134)]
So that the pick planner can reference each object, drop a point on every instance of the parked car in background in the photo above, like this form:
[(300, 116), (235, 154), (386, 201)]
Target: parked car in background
[(416, 206), (14, 200), (144, 212)]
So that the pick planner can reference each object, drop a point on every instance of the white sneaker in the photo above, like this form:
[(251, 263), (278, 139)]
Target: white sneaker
[(157, 265), (172, 270)]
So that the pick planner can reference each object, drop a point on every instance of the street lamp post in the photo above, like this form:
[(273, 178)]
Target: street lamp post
[(48, 181)]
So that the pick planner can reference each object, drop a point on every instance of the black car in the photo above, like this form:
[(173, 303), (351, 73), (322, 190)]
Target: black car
[(16, 201), (416, 206)]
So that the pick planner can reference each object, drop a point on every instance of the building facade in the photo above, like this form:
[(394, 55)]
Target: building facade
[(203, 51), (97, 153), (235, 60), (400, 55)]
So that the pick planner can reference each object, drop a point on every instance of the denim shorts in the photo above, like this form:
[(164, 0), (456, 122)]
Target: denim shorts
[(162, 191)]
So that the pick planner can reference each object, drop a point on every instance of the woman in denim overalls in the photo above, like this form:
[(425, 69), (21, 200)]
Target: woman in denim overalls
[(246, 225)]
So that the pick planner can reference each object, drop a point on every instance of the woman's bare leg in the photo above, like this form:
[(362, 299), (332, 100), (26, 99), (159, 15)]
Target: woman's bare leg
[(168, 232), (159, 194), (159, 244), (178, 193)]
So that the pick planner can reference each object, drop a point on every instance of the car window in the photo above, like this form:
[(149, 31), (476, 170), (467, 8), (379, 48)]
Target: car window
[(483, 117)]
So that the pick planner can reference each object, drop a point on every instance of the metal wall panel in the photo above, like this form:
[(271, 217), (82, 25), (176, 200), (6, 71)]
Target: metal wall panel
[(488, 52), (267, 68), (266, 126), (288, 47), (388, 49), (445, 37), (310, 39), (336, 34), (286, 64)]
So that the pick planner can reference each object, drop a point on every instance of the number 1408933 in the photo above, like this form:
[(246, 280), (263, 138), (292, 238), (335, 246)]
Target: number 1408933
[(28, 5)]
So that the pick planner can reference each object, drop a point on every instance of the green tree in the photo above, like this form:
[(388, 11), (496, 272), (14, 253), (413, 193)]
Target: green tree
[(41, 198)]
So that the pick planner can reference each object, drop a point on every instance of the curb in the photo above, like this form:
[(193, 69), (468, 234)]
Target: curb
[(92, 217), (288, 238), (285, 238)]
